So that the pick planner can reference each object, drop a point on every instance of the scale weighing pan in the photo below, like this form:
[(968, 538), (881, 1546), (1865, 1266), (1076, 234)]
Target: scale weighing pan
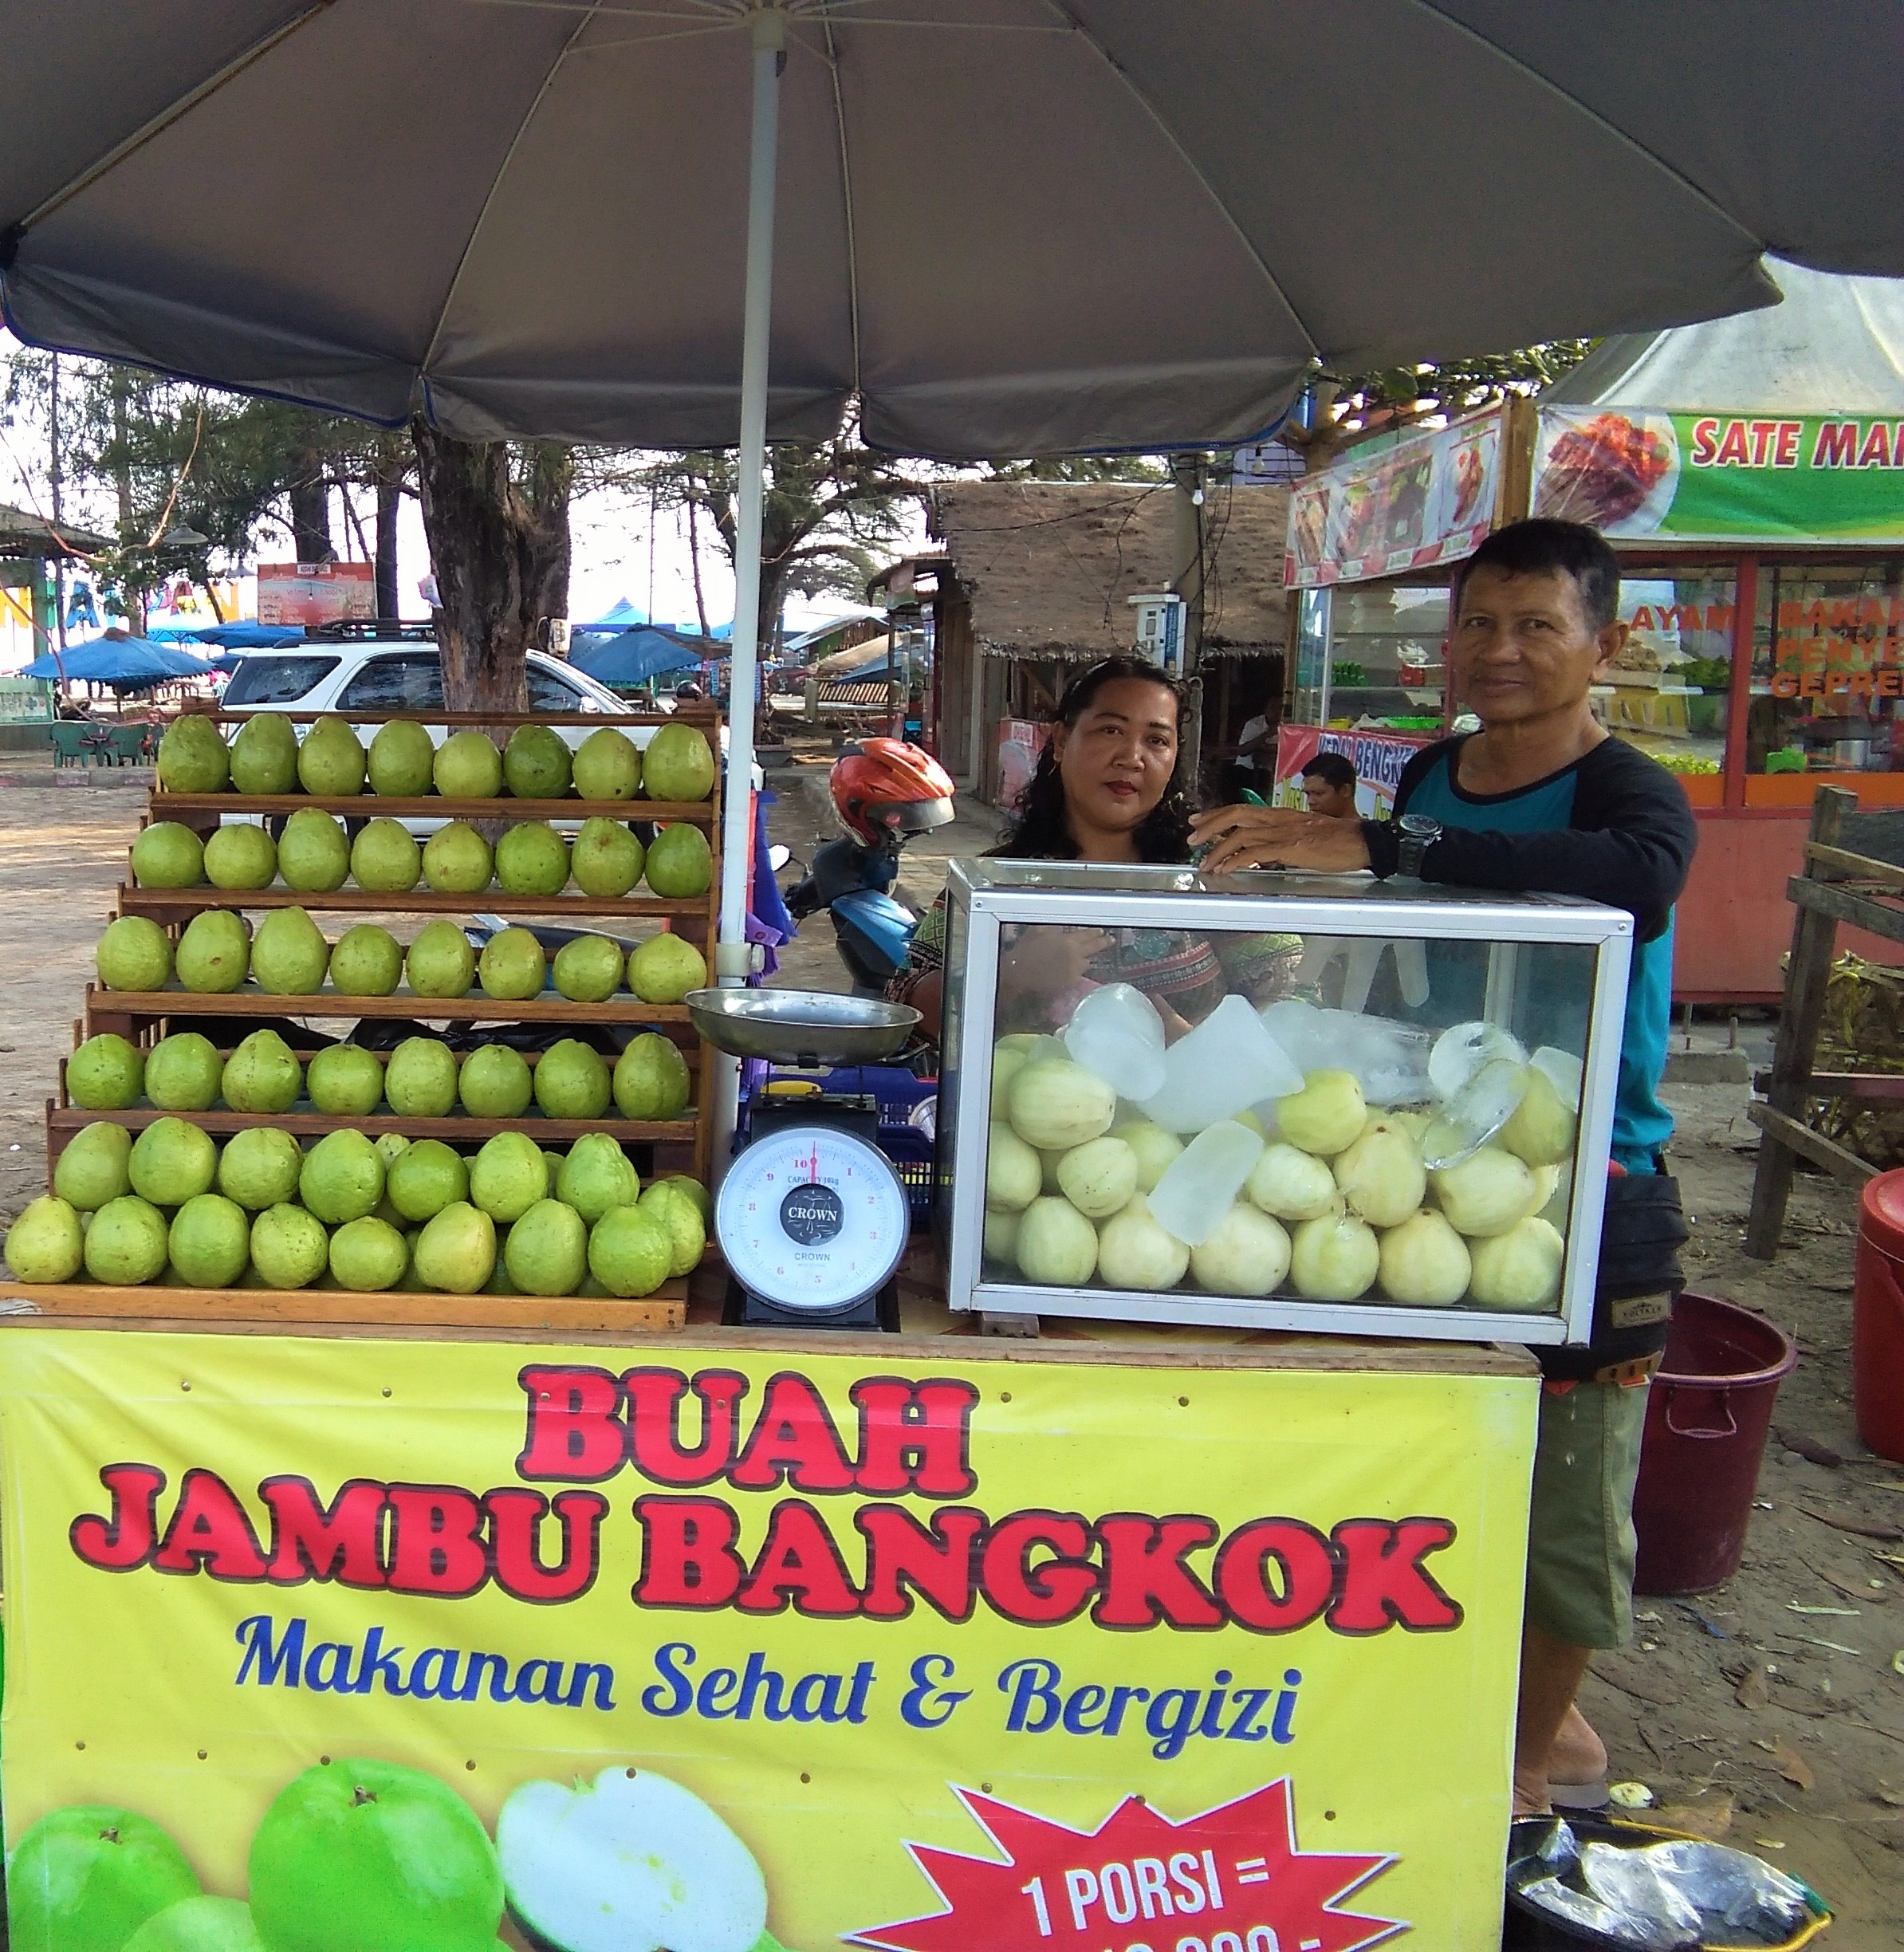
[(805, 1027)]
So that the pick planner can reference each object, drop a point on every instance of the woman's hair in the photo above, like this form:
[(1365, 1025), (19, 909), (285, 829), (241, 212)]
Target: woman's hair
[(1040, 828)]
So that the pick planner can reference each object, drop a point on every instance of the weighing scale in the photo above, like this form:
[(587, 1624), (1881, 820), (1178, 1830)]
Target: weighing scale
[(811, 1217)]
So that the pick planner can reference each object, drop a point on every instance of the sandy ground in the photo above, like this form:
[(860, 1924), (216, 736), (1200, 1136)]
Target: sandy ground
[(1771, 1711)]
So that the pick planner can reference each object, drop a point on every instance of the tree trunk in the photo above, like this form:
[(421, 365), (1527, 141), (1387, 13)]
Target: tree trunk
[(389, 498), (500, 558), (311, 508)]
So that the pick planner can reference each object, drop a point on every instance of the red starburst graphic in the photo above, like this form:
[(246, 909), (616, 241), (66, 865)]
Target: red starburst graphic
[(1230, 1880)]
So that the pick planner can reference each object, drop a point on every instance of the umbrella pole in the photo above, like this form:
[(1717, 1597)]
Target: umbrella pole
[(731, 954)]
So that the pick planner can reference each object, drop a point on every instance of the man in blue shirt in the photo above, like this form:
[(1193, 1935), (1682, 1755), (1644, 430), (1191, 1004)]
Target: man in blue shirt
[(1543, 799)]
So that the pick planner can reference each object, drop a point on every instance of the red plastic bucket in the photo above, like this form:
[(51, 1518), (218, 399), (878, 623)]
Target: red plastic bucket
[(1707, 1416), (1878, 1316)]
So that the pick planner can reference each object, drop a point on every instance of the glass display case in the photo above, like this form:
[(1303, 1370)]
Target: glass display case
[(1276, 1100)]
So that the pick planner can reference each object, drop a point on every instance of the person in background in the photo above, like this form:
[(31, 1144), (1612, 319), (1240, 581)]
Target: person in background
[(1256, 752), (1328, 786), (1542, 799)]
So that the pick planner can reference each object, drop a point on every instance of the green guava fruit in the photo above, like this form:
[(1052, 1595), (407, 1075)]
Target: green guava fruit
[(687, 1233), (425, 1177), (125, 1244), (536, 763), (595, 1176), (607, 858), (92, 1169), (166, 855), (680, 864), (183, 1072), (508, 1176), (651, 1078), (289, 1247), (342, 1179), (703, 1200), (512, 965), (495, 1082), (241, 856), (573, 1080), (198, 1925), (87, 1877), (213, 955), (330, 759), (193, 759), (134, 953), (547, 1252), (588, 969), (288, 953), (441, 962), (390, 1148), (210, 1241), (630, 1251), (171, 1161), (384, 860), (368, 1255), (678, 764), (630, 1860), (456, 1250), (457, 859), (259, 1168), (47, 1242), (356, 1854), (468, 766), (401, 760), (312, 855), (262, 1075), (264, 755), (532, 859), (665, 968), (367, 961), (344, 1081), (420, 1078), (608, 766), (106, 1073)]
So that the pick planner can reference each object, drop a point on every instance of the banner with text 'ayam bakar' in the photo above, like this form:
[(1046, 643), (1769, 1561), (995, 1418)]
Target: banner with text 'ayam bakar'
[(711, 1650)]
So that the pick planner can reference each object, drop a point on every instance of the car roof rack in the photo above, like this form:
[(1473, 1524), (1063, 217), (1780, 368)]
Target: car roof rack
[(369, 630)]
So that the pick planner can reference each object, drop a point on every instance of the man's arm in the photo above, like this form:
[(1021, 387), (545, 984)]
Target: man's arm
[(1631, 845)]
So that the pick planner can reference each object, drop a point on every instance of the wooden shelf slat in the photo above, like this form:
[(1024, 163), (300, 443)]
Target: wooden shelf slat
[(476, 1008), (428, 806), (134, 900), (281, 1310), (63, 1120), (707, 717)]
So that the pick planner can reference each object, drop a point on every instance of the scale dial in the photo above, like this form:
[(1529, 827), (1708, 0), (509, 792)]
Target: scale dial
[(811, 1217)]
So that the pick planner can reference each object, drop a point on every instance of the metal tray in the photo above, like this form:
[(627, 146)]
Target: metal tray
[(800, 1026)]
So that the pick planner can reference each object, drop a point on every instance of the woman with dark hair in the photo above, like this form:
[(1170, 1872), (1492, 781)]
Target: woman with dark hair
[(1108, 787)]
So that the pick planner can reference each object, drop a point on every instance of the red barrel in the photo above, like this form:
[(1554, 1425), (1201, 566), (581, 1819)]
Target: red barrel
[(1878, 1316), (1707, 1416)]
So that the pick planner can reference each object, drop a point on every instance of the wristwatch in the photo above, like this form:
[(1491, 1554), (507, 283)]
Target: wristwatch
[(1418, 834)]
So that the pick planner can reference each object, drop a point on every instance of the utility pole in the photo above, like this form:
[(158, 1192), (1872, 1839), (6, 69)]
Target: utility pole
[(1186, 474)]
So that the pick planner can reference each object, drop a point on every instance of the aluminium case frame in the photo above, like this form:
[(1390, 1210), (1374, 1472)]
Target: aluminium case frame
[(983, 896)]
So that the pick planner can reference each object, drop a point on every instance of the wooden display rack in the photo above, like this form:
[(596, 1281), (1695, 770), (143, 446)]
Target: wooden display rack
[(683, 1143)]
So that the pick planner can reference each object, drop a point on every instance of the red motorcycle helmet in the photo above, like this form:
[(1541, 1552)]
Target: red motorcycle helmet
[(883, 787)]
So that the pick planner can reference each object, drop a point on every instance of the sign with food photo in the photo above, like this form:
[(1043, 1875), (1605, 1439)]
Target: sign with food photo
[(324, 1645)]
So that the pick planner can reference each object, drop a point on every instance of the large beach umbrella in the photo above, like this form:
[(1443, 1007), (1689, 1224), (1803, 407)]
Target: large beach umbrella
[(996, 227), (126, 663), (635, 657)]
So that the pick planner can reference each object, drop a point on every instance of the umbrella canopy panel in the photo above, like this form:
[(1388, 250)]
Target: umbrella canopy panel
[(129, 663), (1008, 227), (635, 657)]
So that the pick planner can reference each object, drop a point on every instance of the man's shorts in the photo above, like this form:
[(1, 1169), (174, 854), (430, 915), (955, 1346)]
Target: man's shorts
[(1581, 1547)]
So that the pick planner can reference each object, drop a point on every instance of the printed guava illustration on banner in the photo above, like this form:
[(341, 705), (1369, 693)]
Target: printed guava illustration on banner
[(317, 1645)]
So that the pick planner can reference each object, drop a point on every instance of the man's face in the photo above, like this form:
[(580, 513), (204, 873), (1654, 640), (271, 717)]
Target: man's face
[(1523, 646), (1326, 797)]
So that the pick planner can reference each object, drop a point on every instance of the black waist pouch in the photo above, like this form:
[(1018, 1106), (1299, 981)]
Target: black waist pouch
[(1639, 1274)]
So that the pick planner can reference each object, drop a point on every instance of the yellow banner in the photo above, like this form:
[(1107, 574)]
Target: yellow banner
[(672, 1648)]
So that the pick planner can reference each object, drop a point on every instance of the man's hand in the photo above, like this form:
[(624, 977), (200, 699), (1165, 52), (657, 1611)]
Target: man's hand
[(1247, 837)]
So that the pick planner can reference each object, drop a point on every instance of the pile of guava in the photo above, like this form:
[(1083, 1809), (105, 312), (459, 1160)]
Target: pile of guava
[(356, 1855), (169, 1204)]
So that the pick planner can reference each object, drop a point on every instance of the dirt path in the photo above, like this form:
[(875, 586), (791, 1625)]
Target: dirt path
[(1731, 1704)]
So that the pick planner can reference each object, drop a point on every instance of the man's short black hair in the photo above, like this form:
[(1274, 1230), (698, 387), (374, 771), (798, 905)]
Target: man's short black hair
[(1539, 546), (1333, 769)]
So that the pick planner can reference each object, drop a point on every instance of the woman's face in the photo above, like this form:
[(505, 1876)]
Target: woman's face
[(1117, 760)]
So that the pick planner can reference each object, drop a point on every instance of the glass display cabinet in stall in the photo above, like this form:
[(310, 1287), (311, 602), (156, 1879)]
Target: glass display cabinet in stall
[(1276, 1100)]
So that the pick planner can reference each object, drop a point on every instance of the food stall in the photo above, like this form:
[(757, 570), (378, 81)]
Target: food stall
[(1746, 472)]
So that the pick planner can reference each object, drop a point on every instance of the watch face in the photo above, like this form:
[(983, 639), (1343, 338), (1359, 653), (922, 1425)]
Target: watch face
[(1419, 825)]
